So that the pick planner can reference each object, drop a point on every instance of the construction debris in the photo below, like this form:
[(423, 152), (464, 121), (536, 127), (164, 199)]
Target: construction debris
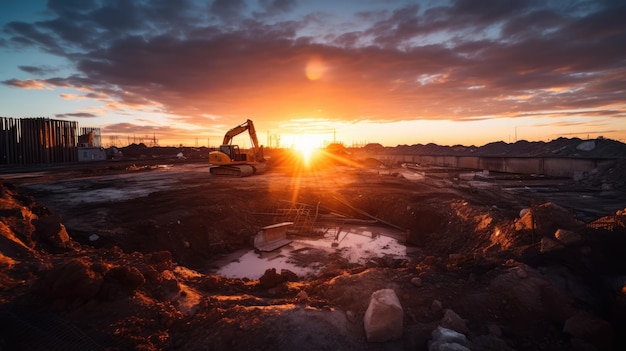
[(272, 237)]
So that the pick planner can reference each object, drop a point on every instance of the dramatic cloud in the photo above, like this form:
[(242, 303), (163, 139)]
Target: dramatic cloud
[(233, 59)]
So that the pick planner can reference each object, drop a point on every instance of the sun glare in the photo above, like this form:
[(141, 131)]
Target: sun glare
[(307, 144)]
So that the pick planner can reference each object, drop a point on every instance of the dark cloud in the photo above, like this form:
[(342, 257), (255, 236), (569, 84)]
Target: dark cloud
[(488, 11), (228, 10), (77, 115), (403, 24), (29, 34), (273, 8), (38, 70)]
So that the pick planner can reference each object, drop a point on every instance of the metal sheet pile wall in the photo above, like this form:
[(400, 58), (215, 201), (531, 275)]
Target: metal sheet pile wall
[(37, 140)]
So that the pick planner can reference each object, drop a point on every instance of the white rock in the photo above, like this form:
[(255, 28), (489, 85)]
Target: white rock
[(93, 237), (383, 318), (447, 339), (523, 212)]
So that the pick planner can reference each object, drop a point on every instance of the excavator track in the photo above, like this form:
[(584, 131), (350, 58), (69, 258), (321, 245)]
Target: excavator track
[(232, 171)]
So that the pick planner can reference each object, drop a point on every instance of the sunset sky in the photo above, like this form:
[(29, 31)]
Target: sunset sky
[(358, 71)]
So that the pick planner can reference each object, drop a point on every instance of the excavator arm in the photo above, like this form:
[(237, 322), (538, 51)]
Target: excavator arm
[(247, 125)]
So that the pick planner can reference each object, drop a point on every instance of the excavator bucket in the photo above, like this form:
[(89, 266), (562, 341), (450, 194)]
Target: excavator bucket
[(272, 237)]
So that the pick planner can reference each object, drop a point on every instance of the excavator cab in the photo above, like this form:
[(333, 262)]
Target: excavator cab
[(233, 152)]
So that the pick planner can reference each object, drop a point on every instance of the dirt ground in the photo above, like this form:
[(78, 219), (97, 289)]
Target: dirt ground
[(123, 255)]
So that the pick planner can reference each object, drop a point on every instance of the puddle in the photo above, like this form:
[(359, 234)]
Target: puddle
[(308, 257)]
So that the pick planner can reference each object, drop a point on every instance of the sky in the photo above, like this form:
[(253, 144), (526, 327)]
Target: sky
[(393, 72)]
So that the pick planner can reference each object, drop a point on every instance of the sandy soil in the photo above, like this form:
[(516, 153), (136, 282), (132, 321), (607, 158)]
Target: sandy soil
[(127, 255)]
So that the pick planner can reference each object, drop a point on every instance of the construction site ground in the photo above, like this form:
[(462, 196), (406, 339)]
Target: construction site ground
[(143, 263)]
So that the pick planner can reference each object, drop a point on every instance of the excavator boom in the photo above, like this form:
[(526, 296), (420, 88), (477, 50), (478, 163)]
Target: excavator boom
[(247, 125)]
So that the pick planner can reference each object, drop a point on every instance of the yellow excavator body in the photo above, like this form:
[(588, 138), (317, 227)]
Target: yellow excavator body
[(230, 161)]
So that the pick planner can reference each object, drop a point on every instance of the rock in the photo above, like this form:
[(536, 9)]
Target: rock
[(547, 218), (548, 244), (430, 260), (453, 321), (270, 279), (492, 250), (350, 316), (436, 306), (161, 260), (288, 276), (568, 237), (383, 318), (591, 329), (302, 296), (416, 281), (128, 278), (120, 281), (51, 231), (455, 258), (523, 212), (75, 279), (447, 339), (521, 273), (168, 281)]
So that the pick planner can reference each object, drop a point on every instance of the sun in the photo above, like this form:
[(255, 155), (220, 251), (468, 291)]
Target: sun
[(307, 145)]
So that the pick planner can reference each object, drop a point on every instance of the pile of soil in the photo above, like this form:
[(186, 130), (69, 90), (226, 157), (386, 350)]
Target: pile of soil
[(507, 280), (600, 148)]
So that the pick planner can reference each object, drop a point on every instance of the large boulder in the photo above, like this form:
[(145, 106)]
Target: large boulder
[(546, 218), (568, 237), (383, 318), (51, 232)]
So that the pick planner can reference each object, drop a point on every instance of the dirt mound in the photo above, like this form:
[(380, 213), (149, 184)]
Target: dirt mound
[(562, 147)]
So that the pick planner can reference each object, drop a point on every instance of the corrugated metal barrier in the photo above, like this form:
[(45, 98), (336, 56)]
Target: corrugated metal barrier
[(37, 140)]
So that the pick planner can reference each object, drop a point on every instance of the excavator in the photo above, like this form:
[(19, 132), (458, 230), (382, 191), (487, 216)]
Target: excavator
[(230, 161)]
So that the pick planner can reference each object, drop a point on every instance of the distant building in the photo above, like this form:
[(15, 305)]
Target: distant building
[(90, 146)]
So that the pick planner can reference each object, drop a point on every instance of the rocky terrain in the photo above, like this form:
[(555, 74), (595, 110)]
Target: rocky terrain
[(485, 268)]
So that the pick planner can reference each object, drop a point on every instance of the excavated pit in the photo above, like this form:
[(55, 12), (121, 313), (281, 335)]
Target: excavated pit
[(145, 263)]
